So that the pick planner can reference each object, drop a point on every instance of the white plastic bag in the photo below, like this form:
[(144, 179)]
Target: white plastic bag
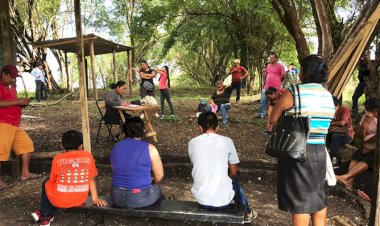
[(330, 174)]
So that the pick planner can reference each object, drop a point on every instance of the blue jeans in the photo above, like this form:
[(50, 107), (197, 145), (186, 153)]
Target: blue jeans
[(359, 91), (46, 208), (237, 86), (223, 110), (240, 199), (126, 198), (263, 104)]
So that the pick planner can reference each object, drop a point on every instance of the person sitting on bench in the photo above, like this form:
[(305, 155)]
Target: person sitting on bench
[(220, 100), (364, 157), (212, 156), (132, 161), (72, 176)]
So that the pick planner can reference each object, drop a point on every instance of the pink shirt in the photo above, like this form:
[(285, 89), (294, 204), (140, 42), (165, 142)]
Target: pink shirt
[(9, 115), (274, 73), (371, 131), (163, 80)]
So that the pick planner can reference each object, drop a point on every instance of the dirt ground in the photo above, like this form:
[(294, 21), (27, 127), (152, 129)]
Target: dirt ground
[(257, 170)]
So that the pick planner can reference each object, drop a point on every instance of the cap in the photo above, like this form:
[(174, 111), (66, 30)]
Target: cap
[(10, 69), (237, 61), (203, 101)]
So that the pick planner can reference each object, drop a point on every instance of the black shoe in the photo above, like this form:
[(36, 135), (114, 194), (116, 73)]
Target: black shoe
[(267, 132)]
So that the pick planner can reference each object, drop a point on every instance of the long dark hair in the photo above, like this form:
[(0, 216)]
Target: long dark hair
[(145, 62), (117, 84), (167, 72), (314, 69)]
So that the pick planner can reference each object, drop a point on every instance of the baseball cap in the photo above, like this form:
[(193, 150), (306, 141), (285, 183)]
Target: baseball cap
[(237, 61), (203, 101), (10, 69)]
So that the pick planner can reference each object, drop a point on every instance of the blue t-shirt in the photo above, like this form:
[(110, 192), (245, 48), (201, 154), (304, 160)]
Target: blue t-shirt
[(131, 164)]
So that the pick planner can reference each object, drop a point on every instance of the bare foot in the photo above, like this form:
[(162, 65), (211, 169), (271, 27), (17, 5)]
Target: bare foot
[(342, 180)]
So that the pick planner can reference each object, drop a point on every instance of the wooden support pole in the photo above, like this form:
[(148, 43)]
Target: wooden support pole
[(374, 218), (129, 73), (93, 76), (114, 65), (68, 77), (82, 79)]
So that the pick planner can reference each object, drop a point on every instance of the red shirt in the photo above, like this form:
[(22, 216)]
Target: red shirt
[(344, 114), (274, 74), (238, 74), (9, 115), (163, 80), (69, 180)]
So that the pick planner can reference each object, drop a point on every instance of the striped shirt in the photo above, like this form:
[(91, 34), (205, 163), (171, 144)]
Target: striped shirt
[(317, 103)]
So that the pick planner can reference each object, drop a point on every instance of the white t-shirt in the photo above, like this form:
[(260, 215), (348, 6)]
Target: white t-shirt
[(211, 155)]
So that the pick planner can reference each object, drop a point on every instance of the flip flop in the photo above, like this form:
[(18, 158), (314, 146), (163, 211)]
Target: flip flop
[(364, 195), (33, 176), (5, 187)]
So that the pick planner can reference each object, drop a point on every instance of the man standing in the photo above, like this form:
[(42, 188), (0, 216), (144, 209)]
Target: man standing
[(12, 136), (275, 72), (238, 74), (39, 75), (364, 72)]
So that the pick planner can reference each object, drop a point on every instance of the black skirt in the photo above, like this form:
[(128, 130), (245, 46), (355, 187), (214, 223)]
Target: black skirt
[(300, 185)]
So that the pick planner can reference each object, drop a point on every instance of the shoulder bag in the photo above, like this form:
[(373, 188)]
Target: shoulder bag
[(289, 138)]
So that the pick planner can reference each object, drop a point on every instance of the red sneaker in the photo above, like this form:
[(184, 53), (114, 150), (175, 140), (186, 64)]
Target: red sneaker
[(45, 221), (36, 215)]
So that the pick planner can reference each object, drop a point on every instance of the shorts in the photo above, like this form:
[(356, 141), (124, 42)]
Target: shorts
[(14, 138)]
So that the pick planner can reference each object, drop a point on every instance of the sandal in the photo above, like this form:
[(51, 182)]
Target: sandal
[(33, 176), (364, 195), (5, 187)]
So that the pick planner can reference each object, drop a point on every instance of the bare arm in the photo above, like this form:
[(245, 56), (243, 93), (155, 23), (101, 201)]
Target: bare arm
[(11, 103), (233, 170), (94, 194), (338, 123), (245, 73), (157, 167), (283, 104)]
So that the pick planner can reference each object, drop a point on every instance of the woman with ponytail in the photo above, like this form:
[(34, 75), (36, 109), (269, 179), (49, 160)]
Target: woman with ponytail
[(164, 86)]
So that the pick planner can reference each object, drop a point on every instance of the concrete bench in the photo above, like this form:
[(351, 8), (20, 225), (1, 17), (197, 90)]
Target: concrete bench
[(165, 209)]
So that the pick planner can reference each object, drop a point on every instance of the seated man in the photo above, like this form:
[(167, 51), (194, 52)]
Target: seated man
[(12, 136), (212, 156), (220, 100), (341, 131), (364, 157), (273, 96)]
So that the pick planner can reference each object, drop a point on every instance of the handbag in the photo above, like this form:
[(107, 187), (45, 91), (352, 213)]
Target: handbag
[(289, 138), (148, 86)]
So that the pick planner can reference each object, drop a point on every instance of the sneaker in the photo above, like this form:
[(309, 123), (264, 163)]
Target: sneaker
[(249, 216), (36, 215), (45, 221), (335, 163)]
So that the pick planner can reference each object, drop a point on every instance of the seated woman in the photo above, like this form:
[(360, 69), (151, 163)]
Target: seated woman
[(221, 99), (114, 98), (337, 137), (132, 162), (364, 157)]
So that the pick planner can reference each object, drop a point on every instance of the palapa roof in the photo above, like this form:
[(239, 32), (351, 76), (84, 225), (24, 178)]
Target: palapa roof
[(101, 45)]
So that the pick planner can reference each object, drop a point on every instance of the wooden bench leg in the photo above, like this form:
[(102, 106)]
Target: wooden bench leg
[(16, 166)]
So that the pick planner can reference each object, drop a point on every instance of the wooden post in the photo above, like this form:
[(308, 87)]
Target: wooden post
[(92, 58), (374, 218), (82, 79), (6, 33), (114, 65), (68, 77), (129, 72)]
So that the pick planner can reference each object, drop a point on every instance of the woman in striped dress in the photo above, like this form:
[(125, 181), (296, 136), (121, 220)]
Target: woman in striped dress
[(300, 185)]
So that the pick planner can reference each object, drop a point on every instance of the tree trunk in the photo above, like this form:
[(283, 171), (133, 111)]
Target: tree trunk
[(287, 13)]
